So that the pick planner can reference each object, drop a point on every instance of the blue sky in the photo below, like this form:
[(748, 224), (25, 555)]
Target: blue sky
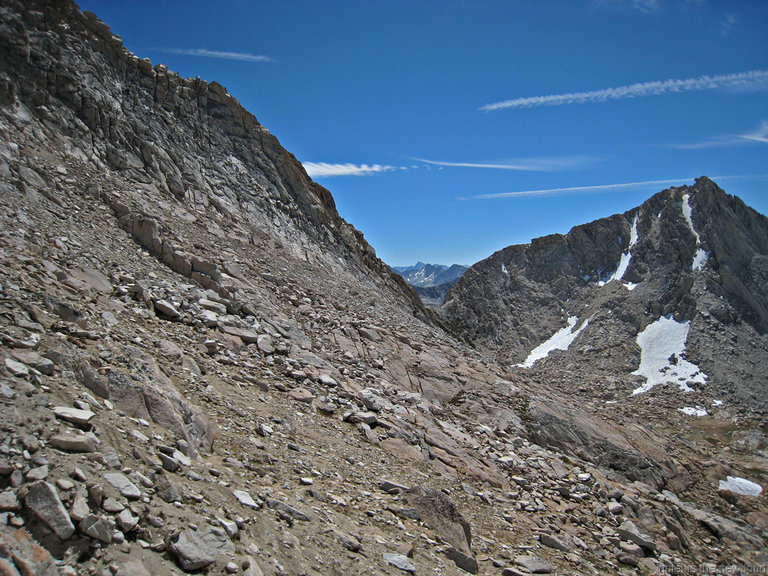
[(448, 130)]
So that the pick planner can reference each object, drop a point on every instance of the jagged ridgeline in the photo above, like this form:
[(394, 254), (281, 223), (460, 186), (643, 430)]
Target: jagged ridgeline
[(203, 368)]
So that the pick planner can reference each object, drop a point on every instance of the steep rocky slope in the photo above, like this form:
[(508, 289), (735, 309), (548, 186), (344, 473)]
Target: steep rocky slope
[(203, 368)]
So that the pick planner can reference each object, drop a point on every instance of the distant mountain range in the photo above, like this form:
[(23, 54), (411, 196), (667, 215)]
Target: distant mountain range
[(430, 275), (431, 281)]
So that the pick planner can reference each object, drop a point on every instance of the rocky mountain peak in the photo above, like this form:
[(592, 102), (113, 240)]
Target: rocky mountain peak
[(691, 253)]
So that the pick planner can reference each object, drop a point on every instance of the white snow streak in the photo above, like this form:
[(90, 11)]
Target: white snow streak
[(691, 411), (662, 345), (701, 256), (626, 257), (740, 486), (560, 340)]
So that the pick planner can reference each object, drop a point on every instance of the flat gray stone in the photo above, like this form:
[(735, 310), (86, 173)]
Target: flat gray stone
[(631, 533), (465, 561), (79, 508), (39, 473), (73, 415), (247, 336), (400, 561), (557, 542), (391, 487), (288, 510), (127, 521), (9, 502), (97, 527), (123, 485), (167, 309), (534, 564), (212, 306), (132, 568), (43, 500), (195, 550), (245, 499), (16, 368), (74, 443), (34, 360), (169, 462)]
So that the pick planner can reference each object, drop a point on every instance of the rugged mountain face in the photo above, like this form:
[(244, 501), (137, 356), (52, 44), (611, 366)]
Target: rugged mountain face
[(202, 367), (692, 254)]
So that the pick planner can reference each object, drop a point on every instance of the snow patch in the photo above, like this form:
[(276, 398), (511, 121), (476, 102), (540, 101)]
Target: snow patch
[(717, 403), (662, 345), (504, 269), (740, 486), (560, 340), (630, 286), (701, 256), (690, 411)]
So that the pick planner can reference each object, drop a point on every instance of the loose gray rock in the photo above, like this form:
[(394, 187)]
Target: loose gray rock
[(39, 473), (557, 542), (74, 443), (169, 462), (16, 368), (166, 491), (631, 533), (287, 510), (34, 360), (123, 485), (43, 500), (132, 568), (534, 564), (9, 502), (195, 550), (79, 508), (73, 415), (97, 527), (400, 561), (466, 562), (245, 499), (127, 521), (167, 309)]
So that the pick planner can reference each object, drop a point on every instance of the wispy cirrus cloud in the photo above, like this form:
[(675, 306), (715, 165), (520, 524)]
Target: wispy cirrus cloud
[(578, 189), (759, 135), (742, 79), (554, 164), (646, 6), (601, 188), (221, 54), (326, 170)]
